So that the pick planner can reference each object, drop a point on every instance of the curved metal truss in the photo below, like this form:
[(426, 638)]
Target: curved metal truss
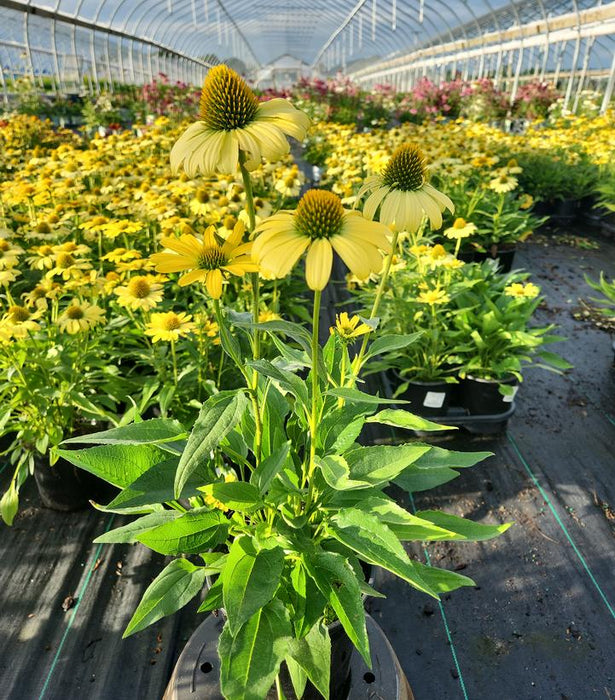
[(372, 40)]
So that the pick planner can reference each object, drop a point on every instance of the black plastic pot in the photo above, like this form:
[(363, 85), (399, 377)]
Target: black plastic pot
[(565, 211), (197, 673), (482, 397), (65, 487), (504, 256), (466, 256), (426, 398)]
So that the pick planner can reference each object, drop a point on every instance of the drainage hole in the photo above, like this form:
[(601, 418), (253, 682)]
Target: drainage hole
[(207, 668), (369, 677)]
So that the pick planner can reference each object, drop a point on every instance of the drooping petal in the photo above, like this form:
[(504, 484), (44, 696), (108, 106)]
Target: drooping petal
[(431, 209), (373, 201), (354, 256), (193, 276), (213, 282), (371, 232), (318, 264), (280, 259), (171, 262)]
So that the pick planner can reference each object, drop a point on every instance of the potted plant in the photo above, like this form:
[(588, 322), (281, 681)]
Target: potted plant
[(269, 493), (606, 300), (494, 339)]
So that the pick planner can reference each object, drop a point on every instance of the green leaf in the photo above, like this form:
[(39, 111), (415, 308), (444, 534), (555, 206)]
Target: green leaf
[(213, 598), (336, 473), (554, 360), (466, 529), (118, 464), (173, 588), (191, 533), (269, 468), (439, 457), (251, 659), (218, 416), (292, 330), (405, 525), (156, 486), (236, 495), (285, 380), (375, 543), (127, 534), (297, 675), (9, 505), (380, 463), (441, 580), (307, 600), (249, 580), (414, 479), (405, 419), (156, 430), (386, 343), (357, 396), (339, 584), (313, 654)]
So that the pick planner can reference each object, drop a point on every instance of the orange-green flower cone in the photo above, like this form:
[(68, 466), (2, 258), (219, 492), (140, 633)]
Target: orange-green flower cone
[(320, 225)]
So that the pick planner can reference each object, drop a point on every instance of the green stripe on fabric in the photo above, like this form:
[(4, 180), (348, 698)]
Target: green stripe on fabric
[(449, 636), (79, 597), (563, 528)]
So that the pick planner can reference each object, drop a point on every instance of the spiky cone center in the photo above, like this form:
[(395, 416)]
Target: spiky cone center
[(18, 314), (406, 170), (459, 224), (65, 260), (4, 245), (75, 313), (319, 214), (227, 103), (139, 288), (171, 322), (211, 259)]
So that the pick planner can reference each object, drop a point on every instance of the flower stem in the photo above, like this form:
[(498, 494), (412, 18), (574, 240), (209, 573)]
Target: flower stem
[(174, 356), (256, 345), (358, 361), (315, 387)]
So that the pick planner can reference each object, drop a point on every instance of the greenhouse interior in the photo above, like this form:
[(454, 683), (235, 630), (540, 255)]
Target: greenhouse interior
[(307, 335)]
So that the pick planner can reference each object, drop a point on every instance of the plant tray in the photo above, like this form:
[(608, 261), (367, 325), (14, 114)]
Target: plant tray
[(476, 424)]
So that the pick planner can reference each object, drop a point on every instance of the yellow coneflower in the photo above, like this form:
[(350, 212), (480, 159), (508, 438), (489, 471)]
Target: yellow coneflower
[(208, 260), (268, 315), (67, 266), (348, 328), (80, 316), (169, 326), (42, 258), (433, 296), (320, 225), (121, 255), (503, 183), (526, 201), (20, 321), (460, 229), (233, 120), (40, 295), (142, 292), (9, 254), (402, 194), (522, 291), (8, 276)]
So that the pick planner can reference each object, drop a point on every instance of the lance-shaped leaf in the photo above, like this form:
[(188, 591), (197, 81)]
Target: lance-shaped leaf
[(249, 580), (386, 343), (218, 416), (339, 584), (356, 396), (191, 533), (465, 529), (173, 588), (270, 467), (441, 580), (251, 659), (375, 543), (234, 495), (120, 465), (156, 430), (404, 419), (313, 654), (287, 381), (129, 533), (381, 463)]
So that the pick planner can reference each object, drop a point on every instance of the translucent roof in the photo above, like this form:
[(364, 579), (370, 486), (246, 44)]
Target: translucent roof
[(328, 33)]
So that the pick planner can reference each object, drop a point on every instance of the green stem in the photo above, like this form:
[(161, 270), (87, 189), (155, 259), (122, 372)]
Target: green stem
[(359, 359), (315, 391), (174, 357), (278, 687)]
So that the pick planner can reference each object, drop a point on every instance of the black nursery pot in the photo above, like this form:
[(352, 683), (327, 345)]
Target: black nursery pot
[(64, 487), (482, 397), (426, 398), (504, 256)]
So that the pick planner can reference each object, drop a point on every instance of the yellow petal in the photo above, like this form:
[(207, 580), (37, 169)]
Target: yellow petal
[(318, 264), (213, 282), (190, 277)]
